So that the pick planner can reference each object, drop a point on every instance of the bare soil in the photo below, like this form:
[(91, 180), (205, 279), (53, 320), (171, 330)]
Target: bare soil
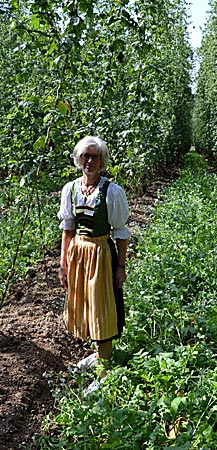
[(33, 340)]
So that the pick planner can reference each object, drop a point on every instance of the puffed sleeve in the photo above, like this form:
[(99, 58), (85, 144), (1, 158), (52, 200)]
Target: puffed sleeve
[(118, 211), (65, 212)]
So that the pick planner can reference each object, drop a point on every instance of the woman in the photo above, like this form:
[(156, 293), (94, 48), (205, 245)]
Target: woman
[(92, 268)]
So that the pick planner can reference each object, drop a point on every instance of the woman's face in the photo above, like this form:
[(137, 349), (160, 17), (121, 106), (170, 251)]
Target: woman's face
[(90, 161)]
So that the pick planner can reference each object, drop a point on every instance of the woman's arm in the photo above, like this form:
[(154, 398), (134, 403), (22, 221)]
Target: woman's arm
[(122, 252), (118, 212), (67, 225), (67, 235)]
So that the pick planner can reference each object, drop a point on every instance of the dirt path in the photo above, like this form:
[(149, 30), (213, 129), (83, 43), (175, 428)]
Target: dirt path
[(33, 341)]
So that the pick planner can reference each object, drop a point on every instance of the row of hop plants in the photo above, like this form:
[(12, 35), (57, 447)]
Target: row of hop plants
[(205, 102), (117, 69)]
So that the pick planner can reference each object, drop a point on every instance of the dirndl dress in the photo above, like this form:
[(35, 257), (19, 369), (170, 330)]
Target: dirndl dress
[(94, 306)]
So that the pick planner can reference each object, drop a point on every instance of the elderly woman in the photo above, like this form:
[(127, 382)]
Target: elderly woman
[(93, 212)]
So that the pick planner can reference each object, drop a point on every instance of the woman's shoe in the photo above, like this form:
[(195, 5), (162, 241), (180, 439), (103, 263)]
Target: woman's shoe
[(87, 362)]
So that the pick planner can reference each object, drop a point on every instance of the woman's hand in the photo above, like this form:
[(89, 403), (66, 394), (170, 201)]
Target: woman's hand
[(120, 276), (63, 277), (122, 250)]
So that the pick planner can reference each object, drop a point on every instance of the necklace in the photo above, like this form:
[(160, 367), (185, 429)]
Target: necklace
[(89, 189)]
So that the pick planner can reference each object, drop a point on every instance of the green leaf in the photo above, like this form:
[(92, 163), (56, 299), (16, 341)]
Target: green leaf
[(15, 4), (62, 107), (176, 402), (86, 6), (40, 143), (52, 48), (35, 22)]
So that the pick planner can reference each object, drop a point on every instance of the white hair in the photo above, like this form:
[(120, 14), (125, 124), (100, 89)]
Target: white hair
[(100, 146)]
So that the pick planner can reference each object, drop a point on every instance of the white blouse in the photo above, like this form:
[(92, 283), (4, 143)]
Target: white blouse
[(117, 207)]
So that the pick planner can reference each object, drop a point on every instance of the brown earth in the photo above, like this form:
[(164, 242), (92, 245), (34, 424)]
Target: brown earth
[(33, 340)]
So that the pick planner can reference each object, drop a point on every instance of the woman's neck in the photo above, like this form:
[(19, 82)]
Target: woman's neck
[(90, 180)]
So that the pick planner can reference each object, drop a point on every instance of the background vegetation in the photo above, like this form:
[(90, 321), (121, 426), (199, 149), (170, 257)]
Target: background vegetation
[(116, 69)]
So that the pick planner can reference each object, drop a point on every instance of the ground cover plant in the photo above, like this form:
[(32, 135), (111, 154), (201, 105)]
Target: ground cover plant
[(160, 388)]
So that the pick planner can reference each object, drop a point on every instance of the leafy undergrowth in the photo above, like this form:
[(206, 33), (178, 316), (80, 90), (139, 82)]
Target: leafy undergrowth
[(160, 388)]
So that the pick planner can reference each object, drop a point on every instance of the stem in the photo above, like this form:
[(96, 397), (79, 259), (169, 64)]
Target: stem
[(41, 233)]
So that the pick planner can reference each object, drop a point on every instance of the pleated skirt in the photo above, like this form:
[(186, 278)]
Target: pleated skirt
[(93, 306)]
